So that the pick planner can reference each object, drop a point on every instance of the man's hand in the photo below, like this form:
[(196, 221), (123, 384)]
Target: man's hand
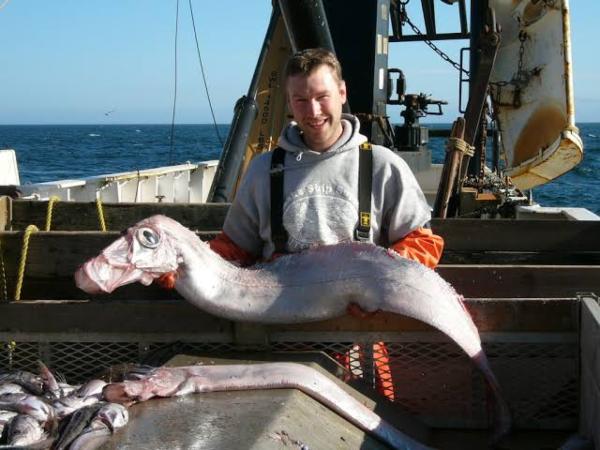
[(356, 311), (167, 280), (420, 245)]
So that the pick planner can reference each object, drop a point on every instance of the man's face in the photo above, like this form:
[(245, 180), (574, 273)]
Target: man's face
[(316, 103)]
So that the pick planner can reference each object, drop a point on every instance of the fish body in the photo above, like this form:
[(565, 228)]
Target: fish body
[(30, 381), (5, 418), (113, 415), (320, 283), (97, 421), (50, 384), (11, 388), (72, 425), (178, 381), (86, 395), (67, 389), (28, 404), (68, 405), (92, 437), (24, 430)]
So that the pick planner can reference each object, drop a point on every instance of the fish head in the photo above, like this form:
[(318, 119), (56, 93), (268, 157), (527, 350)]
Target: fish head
[(114, 416), (145, 252)]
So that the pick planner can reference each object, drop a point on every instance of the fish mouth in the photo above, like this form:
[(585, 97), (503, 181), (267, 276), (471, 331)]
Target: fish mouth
[(99, 276)]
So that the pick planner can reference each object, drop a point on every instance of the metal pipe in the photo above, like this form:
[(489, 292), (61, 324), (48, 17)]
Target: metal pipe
[(568, 63), (450, 171), (306, 24), (478, 21), (307, 27), (429, 16), (246, 110)]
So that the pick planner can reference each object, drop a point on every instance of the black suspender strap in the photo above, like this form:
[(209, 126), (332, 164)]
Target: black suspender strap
[(279, 234), (365, 182)]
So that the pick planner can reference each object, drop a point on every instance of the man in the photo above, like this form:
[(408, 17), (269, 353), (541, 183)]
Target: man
[(320, 180)]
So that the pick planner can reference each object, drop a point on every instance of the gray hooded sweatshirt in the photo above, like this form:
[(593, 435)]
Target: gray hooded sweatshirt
[(321, 196)]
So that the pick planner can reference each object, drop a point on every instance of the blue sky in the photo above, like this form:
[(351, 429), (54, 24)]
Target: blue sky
[(71, 61)]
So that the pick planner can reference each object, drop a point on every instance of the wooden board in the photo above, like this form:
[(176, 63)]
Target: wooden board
[(142, 319), (503, 235), (468, 241), (75, 216), (53, 257)]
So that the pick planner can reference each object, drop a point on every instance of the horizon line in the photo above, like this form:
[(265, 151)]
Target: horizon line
[(185, 124)]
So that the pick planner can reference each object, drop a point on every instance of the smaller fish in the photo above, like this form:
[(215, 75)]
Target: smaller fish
[(12, 388), (5, 418), (74, 424), (49, 382), (69, 405), (92, 437), (91, 388), (113, 415), (67, 389), (85, 395), (30, 381), (109, 418), (24, 430), (28, 404)]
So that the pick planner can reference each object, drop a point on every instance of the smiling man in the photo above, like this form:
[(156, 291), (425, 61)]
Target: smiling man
[(306, 192), (316, 103)]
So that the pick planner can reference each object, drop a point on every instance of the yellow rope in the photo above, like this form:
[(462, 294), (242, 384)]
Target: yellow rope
[(51, 201), (454, 143), (100, 214), (21, 274), (3, 275)]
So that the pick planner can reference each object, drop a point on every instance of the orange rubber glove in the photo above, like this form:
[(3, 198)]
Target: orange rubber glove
[(229, 250), (421, 245)]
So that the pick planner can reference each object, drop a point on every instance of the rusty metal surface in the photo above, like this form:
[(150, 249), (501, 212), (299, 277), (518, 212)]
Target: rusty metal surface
[(532, 91)]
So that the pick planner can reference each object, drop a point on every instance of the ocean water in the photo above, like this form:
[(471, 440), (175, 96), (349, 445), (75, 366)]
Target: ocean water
[(52, 152)]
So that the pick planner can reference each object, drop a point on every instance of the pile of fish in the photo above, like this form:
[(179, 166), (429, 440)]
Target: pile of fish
[(39, 412)]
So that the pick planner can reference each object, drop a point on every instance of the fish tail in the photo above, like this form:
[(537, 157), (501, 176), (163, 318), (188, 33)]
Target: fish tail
[(502, 421)]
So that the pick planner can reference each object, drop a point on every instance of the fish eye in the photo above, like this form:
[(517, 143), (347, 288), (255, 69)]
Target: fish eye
[(148, 237)]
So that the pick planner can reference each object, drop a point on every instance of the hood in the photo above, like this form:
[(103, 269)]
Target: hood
[(291, 138)]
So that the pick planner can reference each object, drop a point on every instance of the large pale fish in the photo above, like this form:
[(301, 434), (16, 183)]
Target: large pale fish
[(318, 284), (177, 381)]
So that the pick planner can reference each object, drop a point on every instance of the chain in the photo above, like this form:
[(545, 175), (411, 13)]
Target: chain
[(405, 19), (521, 78)]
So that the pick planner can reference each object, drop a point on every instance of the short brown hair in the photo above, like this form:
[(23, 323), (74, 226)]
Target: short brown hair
[(306, 61)]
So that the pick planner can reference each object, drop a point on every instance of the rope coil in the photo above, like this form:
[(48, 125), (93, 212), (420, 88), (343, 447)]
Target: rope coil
[(24, 249), (459, 144)]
